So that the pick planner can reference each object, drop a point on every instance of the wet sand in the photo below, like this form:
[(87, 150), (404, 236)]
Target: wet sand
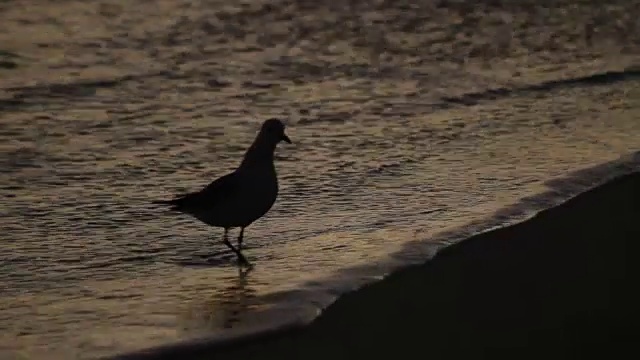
[(559, 285)]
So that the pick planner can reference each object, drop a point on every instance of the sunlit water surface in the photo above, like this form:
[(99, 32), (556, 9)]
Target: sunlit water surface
[(412, 125)]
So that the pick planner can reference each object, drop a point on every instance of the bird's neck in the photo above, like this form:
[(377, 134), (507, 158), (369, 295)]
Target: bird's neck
[(260, 152)]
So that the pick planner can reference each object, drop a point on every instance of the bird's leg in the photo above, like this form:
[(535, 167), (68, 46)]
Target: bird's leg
[(240, 238), (241, 259)]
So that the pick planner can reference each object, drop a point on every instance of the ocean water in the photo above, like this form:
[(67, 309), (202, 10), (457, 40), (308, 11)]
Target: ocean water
[(415, 124)]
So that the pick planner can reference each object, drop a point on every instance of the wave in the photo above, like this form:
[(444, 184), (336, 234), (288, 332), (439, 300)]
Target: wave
[(559, 190), (596, 79), (32, 95)]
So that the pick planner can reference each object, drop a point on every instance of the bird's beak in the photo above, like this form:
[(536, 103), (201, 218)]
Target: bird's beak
[(286, 139)]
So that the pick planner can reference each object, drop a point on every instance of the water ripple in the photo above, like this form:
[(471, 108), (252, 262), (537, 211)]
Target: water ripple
[(408, 120)]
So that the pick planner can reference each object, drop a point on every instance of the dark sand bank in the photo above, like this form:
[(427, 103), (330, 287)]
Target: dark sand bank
[(560, 285)]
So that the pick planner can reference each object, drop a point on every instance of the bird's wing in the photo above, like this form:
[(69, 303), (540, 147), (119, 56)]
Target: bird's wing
[(217, 191)]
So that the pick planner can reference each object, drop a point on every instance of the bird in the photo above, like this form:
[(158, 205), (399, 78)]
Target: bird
[(242, 196)]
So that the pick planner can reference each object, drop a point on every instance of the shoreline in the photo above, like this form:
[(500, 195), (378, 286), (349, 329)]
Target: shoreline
[(556, 285)]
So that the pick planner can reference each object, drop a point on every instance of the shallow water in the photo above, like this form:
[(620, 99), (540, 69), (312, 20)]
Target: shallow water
[(408, 122)]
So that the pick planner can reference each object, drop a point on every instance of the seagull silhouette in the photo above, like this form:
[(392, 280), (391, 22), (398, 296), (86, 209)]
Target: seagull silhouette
[(242, 196)]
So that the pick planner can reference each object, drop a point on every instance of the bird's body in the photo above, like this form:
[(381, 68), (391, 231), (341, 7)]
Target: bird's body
[(242, 196), (233, 200)]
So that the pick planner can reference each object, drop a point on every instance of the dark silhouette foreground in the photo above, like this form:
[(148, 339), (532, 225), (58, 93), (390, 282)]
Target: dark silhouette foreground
[(559, 286)]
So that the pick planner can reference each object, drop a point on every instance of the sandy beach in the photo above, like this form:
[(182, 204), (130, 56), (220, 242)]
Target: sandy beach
[(557, 286)]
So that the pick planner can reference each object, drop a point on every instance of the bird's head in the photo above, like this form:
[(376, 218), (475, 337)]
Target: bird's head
[(273, 131)]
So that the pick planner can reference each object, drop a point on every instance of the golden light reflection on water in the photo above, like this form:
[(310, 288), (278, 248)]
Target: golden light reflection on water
[(162, 99), (358, 221)]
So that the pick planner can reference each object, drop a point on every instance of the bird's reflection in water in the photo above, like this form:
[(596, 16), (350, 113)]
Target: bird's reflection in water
[(225, 308)]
